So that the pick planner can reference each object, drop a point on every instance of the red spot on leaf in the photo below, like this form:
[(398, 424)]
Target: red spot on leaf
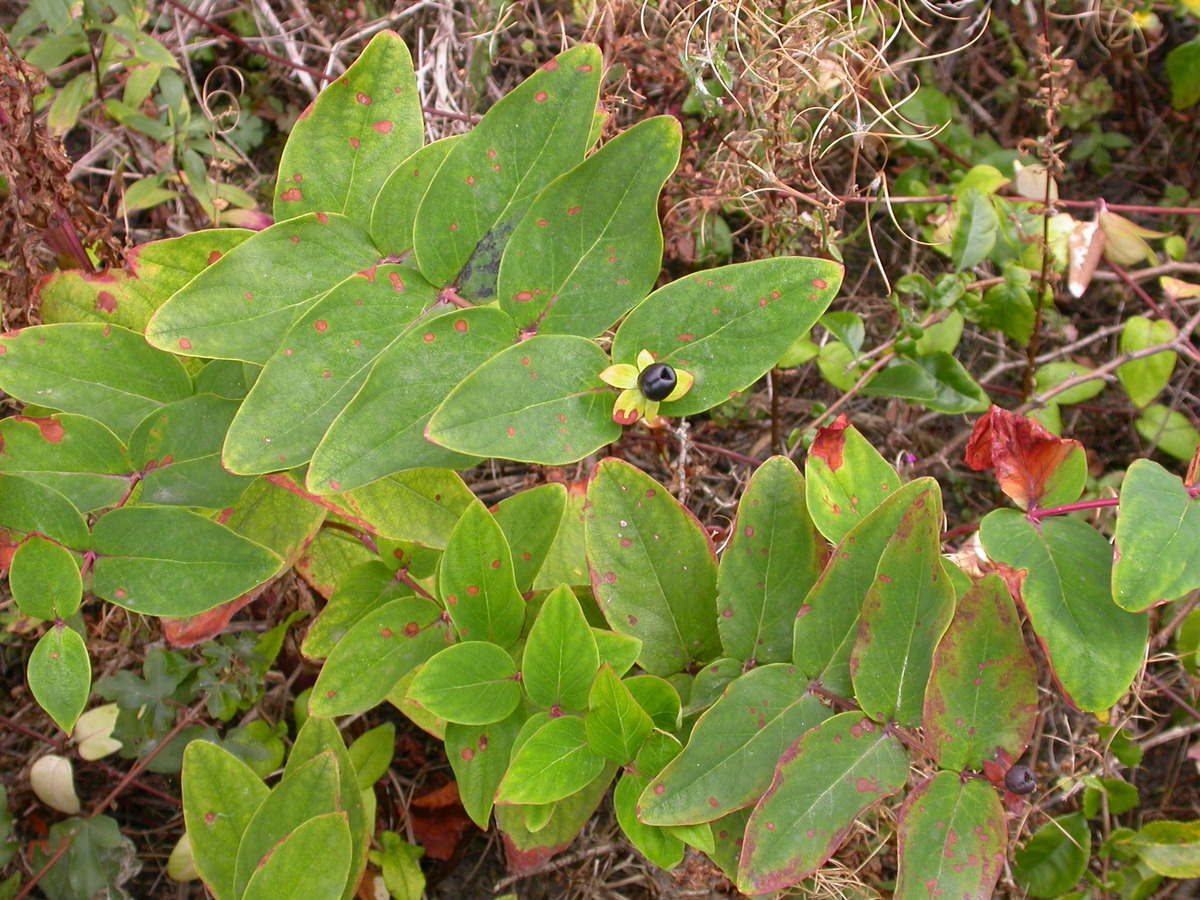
[(385, 633), (762, 301), (461, 326), (524, 360), (383, 127), (495, 563), (659, 790), (541, 97), (454, 226), (355, 143), (610, 577), (542, 223), (362, 98), (633, 620), (106, 302), (295, 238), (292, 195), (472, 590), (51, 429), (551, 66), (185, 344), (468, 754), (820, 284), (574, 210), (322, 218), (687, 337), (336, 485), (297, 178), (522, 297), (429, 337), (325, 374), (397, 282), (512, 431), (214, 256), (626, 543), (120, 594), (713, 802), (321, 325), (561, 417)]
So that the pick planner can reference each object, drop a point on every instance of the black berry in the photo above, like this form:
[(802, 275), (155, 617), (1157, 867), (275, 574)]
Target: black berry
[(1019, 780), (657, 381)]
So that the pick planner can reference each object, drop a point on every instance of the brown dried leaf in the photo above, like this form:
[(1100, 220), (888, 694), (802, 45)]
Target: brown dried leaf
[(1024, 454)]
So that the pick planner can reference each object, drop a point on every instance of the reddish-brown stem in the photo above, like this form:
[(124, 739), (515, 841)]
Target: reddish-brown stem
[(707, 448)]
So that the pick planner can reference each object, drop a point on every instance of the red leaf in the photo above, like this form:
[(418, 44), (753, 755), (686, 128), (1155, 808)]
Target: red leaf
[(830, 441), (439, 821), (1024, 454)]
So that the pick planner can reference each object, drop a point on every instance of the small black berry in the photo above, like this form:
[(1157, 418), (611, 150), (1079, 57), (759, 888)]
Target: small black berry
[(657, 381), (1019, 780)]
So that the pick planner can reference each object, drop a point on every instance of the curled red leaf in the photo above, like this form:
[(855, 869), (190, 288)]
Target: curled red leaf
[(830, 442), (1024, 454)]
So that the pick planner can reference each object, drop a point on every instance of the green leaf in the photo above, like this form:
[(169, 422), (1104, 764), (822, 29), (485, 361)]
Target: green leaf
[(771, 562), (616, 725), (1095, 647), (590, 246), (618, 650), (936, 380), (731, 755), (241, 306), (710, 683), (827, 624), (220, 796), (402, 875), (1144, 379), (1170, 430), (904, 614), (74, 455), (98, 860), (383, 646), (566, 561), (1055, 858), (102, 371), (44, 579), (976, 226), (28, 507), (276, 518), (530, 137), (476, 583), (827, 779), (846, 479), (658, 697), (847, 327), (1169, 848), (953, 839), (1008, 307), (473, 683), (539, 401), (985, 179), (395, 209), (560, 657), (479, 756), (178, 447), (554, 763), (420, 505), (653, 568), (60, 675), (68, 101), (983, 691), (657, 844), (1053, 374), (371, 754), (742, 318), (166, 561), (319, 366), (312, 861), (1183, 71), (344, 146), (530, 521), (382, 429), (1158, 530), (363, 589)]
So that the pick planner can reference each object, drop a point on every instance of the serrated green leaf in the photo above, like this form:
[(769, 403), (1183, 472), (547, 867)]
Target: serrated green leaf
[(560, 657), (742, 319), (60, 675), (383, 646), (347, 142), (554, 763), (476, 582), (731, 755), (1095, 647), (590, 246), (102, 371), (539, 401), (167, 561), (473, 683), (653, 568), (846, 479), (74, 455), (983, 691), (616, 725), (44, 579), (1158, 531), (241, 306), (823, 783)]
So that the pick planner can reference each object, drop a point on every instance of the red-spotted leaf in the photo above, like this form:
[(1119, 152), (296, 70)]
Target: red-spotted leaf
[(44, 579), (827, 625), (825, 781), (530, 522), (168, 561), (740, 320), (846, 478), (653, 568), (1061, 570), (1158, 533), (178, 448), (384, 645), (74, 455), (560, 657), (554, 763), (904, 614), (772, 560), (347, 142), (1032, 465), (382, 429), (129, 297), (539, 401), (312, 861), (953, 840), (420, 505), (657, 844), (479, 756), (734, 747), (473, 683), (241, 306), (590, 246), (395, 209), (476, 582), (60, 675), (27, 507), (490, 176), (616, 724), (363, 589), (983, 691), (103, 371), (322, 361)]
